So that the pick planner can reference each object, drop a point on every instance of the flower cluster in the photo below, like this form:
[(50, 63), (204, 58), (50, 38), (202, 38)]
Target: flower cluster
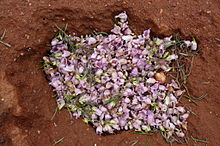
[(114, 81)]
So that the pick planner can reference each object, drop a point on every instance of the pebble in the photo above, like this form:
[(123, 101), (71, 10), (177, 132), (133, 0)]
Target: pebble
[(38, 131)]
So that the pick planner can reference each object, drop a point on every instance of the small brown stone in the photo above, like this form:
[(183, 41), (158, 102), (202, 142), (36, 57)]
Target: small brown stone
[(160, 77)]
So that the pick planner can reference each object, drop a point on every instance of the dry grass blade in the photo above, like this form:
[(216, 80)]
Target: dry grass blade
[(2, 38), (199, 98), (4, 43), (3, 35), (190, 110), (199, 140), (55, 112), (217, 39), (60, 140), (205, 83), (134, 143)]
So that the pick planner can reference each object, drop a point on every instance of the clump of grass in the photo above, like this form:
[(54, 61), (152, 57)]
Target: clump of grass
[(182, 67)]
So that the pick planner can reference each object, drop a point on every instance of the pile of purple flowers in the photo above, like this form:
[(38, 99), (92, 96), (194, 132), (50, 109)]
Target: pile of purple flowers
[(109, 80)]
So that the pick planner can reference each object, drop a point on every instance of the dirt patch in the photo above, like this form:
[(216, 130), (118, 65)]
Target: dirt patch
[(27, 105)]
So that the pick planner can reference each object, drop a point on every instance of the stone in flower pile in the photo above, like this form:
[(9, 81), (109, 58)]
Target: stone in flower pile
[(110, 80)]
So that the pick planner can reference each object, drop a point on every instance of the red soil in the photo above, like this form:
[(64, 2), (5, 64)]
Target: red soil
[(26, 103)]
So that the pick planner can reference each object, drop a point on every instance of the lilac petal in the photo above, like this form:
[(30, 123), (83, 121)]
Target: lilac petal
[(116, 30), (181, 134), (98, 112), (116, 127), (134, 72), (107, 92), (66, 53), (151, 81), (128, 92), (150, 117), (179, 92), (91, 40), (108, 128), (99, 130), (103, 109), (70, 68), (162, 87), (94, 55), (122, 122), (194, 45), (77, 91), (81, 69), (127, 38), (136, 124), (127, 100), (188, 43), (123, 17), (172, 57), (54, 42), (185, 116), (146, 34), (180, 109), (107, 117), (99, 72)]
